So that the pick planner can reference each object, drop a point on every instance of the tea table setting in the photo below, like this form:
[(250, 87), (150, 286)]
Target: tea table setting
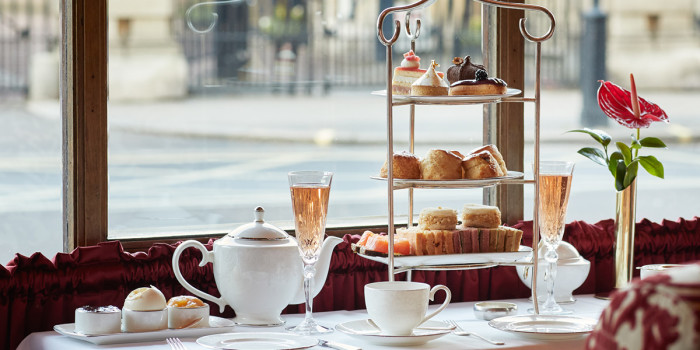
[(437, 338)]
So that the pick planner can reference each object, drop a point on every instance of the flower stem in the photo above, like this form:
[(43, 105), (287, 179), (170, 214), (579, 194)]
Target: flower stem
[(636, 151)]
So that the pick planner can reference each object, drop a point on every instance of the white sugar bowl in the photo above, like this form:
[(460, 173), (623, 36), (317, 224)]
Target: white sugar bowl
[(572, 270)]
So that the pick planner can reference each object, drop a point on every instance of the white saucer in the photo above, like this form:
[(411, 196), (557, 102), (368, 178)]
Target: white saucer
[(257, 340), (369, 333), (545, 327)]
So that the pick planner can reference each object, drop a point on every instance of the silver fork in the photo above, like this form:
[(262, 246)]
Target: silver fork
[(176, 344), (460, 331)]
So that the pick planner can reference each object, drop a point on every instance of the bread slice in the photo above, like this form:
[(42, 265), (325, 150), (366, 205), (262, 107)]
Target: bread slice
[(517, 235), (501, 240), (493, 239), (457, 241), (509, 238), (474, 233), (429, 247), (448, 246), (484, 238)]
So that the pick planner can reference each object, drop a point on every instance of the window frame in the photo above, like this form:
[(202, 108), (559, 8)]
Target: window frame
[(83, 98)]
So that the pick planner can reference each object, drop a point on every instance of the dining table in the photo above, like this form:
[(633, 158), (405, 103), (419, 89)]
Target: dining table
[(585, 306)]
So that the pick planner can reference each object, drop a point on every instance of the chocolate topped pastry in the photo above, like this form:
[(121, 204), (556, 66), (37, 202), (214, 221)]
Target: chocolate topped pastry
[(462, 69), (481, 85)]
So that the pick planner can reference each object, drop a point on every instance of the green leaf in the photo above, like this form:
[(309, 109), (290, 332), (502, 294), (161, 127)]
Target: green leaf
[(593, 154), (631, 173), (626, 152), (615, 157), (620, 175), (652, 166), (598, 135), (652, 142)]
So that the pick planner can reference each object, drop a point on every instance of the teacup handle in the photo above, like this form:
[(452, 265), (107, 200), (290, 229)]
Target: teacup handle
[(448, 297), (207, 257)]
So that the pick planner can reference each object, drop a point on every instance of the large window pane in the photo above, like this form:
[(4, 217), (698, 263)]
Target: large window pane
[(30, 132)]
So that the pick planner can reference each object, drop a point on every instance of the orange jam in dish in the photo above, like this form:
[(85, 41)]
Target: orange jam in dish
[(185, 301)]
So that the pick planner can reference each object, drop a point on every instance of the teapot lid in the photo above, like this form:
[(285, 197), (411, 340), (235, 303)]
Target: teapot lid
[(259, 230)]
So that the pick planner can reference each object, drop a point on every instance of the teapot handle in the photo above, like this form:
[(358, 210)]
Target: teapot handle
[(207, 257)]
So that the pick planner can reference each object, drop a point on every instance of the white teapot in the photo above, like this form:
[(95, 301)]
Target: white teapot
[(258, 271)]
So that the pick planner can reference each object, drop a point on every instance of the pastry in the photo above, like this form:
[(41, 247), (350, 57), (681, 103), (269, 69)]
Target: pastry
[(430, 83), (97, 320), (186, 311), (406, 166), (378, 245), (144, 311), (480, 85), (406, 74), (440, 164), (481, 165), (437, 219), (462, 69), (495, 153), (483, 216)]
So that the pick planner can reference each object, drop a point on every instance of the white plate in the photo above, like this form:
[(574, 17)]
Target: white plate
[(414, 261), (259, 340), (461, 99), (364, 330), (461, 183), (217, 325), (546, 327)]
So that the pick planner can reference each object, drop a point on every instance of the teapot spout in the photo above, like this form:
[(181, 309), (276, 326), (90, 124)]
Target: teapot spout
[(322, 265)]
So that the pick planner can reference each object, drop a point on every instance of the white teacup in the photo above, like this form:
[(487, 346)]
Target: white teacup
[(399, 307)]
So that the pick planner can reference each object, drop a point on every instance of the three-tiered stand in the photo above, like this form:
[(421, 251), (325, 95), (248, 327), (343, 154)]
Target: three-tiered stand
[(512, 178)]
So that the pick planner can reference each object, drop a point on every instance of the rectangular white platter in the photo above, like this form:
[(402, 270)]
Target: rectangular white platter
[(217, 325), (446, 260)]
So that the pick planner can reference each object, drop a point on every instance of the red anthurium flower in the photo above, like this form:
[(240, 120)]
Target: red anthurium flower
[(616, 103)]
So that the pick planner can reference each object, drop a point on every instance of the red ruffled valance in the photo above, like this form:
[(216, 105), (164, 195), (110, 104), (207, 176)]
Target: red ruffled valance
[(36, 293)]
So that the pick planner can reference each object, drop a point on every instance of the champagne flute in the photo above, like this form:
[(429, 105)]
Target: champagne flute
[(310, 191), (555, 185)]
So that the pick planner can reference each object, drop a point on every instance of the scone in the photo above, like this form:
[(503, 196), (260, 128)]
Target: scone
[(440, 164), (406, 166), (483, 216), (430, 83), (481, 165), (495, 153), (437, 219)]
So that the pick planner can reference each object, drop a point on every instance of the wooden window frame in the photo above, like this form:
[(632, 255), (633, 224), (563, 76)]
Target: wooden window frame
[(83, 98)]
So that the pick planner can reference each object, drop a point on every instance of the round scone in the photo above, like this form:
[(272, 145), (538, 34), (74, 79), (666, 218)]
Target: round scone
[(481, 165), (482, 85), (495, 153), (406, 166), (440, 164), (437, 219)]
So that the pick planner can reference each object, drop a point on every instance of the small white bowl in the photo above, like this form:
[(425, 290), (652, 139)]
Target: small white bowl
[(188, 317), (97, 320), (488, 310), (144, 321)]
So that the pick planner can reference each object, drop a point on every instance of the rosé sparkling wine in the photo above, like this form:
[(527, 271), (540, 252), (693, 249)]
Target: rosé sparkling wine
[(554, 197), (310, 205)]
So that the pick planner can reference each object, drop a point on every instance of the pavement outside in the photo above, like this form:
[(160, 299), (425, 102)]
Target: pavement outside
[(350, 117)]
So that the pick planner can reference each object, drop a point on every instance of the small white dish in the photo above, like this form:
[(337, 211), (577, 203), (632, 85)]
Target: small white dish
[(258, 340), (488, 310), (362, 329), (216, 325), (545, 327)]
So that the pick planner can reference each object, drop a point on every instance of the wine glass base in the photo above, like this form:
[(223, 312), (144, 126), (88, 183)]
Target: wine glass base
[(309, 327)]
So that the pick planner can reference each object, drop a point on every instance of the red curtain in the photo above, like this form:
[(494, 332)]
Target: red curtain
[(36, 293)]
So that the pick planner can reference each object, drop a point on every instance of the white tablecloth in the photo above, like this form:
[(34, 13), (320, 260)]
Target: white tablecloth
[(585, 306)]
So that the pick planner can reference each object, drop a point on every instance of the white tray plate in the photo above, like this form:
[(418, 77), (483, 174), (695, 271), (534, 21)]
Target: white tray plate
[(453, 259), (217, 325), (261, 340), (362, 329), (545, 327), (466, 99), (461, 183)]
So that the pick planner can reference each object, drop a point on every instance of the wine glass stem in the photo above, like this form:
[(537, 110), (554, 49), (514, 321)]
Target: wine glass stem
[(551, 257), (309, 272)]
